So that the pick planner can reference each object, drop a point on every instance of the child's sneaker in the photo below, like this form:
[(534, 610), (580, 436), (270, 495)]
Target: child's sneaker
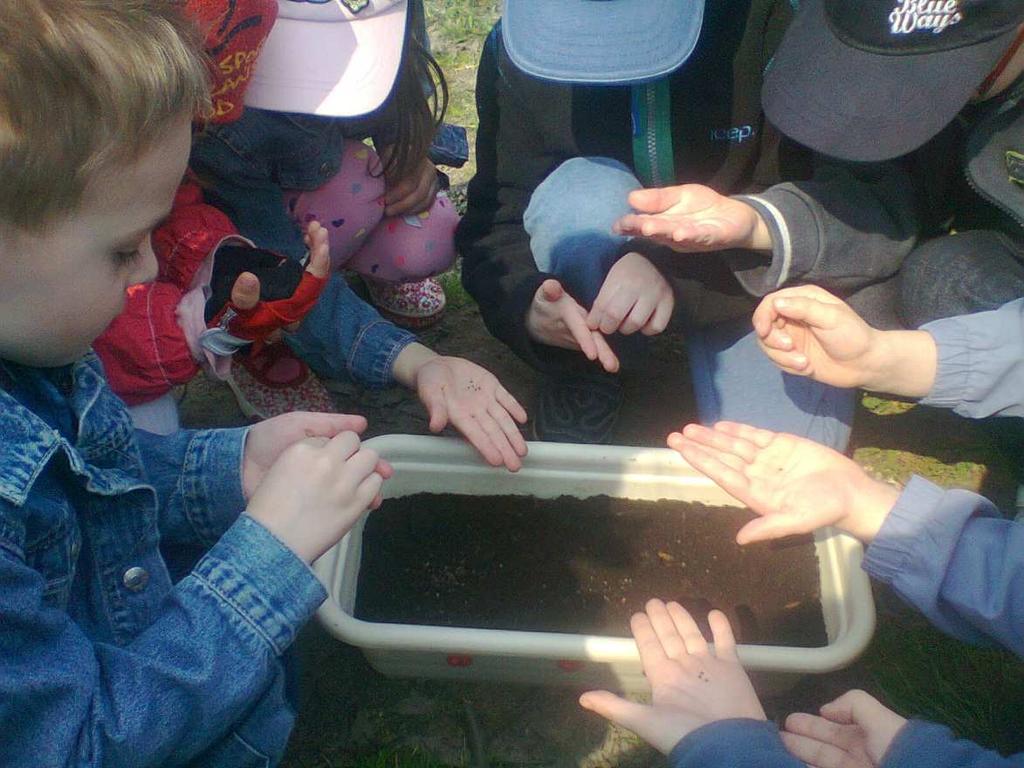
[(410, 305), (273, 381)]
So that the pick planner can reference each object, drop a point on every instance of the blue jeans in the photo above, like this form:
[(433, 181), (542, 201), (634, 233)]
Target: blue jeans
[(569, 221)]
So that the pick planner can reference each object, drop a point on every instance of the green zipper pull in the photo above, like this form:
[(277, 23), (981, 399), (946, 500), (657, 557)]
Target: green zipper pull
[(652, 133)]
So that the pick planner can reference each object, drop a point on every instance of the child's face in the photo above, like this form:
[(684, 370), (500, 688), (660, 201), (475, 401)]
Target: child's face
[(61, 287)]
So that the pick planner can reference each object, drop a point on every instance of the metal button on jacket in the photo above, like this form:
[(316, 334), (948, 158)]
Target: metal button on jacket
[(136, 578)]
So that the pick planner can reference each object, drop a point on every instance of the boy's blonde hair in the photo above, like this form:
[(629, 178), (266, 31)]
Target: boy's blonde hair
[(85, 84)]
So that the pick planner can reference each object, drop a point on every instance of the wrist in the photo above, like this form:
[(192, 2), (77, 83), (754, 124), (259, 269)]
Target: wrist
[(409, 362), (760, 236), (901, 363), (869, 504)]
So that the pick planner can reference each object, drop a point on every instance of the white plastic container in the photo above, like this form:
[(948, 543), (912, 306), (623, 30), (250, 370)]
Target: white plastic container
[(443, 465)]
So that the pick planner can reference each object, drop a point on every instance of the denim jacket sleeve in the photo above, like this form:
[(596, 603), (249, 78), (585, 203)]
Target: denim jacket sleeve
[(927, 745), (953, 557), (981, 362), (197, 475), (739, 743), (343, 337), (208, 654)]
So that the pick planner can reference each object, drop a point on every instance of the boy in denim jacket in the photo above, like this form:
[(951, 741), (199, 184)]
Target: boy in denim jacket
[(103, 660)]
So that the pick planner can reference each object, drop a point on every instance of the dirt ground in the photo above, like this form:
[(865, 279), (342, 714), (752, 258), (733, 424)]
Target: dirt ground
[(349, 710)]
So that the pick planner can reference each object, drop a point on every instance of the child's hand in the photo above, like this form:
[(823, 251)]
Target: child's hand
[(635, 297), (692, 218), (472, 399), (807, 331), (267, 440), (414, 193), (555, 319), (316, 491), (794, 484), (854, 731), (691, 686)]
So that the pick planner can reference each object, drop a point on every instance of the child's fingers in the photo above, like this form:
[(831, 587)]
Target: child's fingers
[(777, 338), (660, 319), (762, 438), (580, 332), (508, 426), (319, 251), (722, 441), (638, 316), (810, 311), (764, 316), (852, 707), (772, 526), (685, 627), (510, 404), (245, 293), (620, 711), (605, 355), (652, 654), (665, 628), (325, 424), (795, 363), (655, 200), (343, 445), (478, 438), (500, 440), (820, 729), (552, 289), (722, 636), (367, 491), (730, 480), (814, 753), (384, 469)]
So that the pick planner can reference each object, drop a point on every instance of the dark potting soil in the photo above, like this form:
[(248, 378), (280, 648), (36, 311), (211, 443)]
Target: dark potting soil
[(581, 566)]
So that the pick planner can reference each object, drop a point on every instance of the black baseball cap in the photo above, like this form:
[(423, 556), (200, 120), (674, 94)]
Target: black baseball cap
[(870, 80)]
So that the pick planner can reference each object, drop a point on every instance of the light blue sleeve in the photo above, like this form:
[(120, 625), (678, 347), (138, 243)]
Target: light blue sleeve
[(927, 745), (952, 556), (981, 362), (197, 475)]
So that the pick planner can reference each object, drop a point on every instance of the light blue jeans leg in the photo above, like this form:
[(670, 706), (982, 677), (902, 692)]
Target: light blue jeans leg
[(569, 221), (734, 380)]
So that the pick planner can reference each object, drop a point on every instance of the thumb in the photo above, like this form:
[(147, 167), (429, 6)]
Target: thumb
[(654, 200), (245, 293), (620, 711), (552, 290), (319, 251), (437, 410)]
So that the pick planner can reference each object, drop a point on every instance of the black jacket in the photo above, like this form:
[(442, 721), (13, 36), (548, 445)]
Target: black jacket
[(528, 127)]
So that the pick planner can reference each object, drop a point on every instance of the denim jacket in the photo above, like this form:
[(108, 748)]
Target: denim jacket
[(103, 660), (248, 163)]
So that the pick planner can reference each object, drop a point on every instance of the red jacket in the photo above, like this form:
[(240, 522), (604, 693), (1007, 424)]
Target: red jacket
[(151, 347)]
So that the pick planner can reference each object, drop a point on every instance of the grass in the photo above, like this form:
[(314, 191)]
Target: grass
[(978, 693)]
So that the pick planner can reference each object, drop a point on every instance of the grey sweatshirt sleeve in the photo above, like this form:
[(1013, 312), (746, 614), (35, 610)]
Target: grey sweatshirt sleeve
[(848, 226), (981, 362)]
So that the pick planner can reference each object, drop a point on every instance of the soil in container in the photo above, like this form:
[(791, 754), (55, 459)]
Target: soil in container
[(581, 566)]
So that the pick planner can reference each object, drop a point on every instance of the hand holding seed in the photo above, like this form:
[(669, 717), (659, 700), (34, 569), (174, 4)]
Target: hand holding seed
[(680, 666)]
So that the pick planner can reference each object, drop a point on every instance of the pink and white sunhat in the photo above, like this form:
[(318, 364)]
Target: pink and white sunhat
[(336, 58)]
